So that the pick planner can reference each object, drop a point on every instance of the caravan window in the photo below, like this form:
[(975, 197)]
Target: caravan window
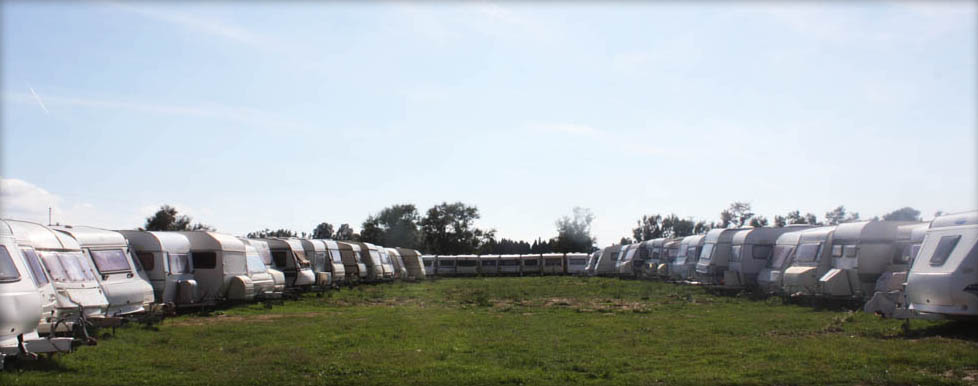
[(943, 250), (110, 260), (8, 271), (280, 259), (254, 263), (446, 263), (913, 250), (761, 252), (780, 256), (707, 252), (532, 262), (53, 265), (149, 262), (851, 250), (488, 263), (577, 261), (552, 262), (335, 255), (40, 278), (76, 266), (735, 252), (509, 262), (836, 251), (808, 252), (179, 262), (466, 263), (427, 262), (204, 260)]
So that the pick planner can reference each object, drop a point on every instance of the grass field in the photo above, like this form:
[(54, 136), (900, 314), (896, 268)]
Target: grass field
[(540, 330)]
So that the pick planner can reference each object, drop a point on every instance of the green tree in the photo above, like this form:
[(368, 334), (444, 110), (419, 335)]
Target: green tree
[(758, 221), (738, 215), (649, 227), (168, 219), (345, 233), (839, 215), (266, 233), (449, 229), (903, 214), (323, 231), (395, 226), (574, 232)]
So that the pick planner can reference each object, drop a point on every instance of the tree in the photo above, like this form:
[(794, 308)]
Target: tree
[(738, 214), (839, 215), (323, 231), (168, 219), (574, 232), (345, 233), (903, 214), (395, 226), (449, 229), (649, 227), (780, 221), (625, 241), (266, 233), (759, 221)]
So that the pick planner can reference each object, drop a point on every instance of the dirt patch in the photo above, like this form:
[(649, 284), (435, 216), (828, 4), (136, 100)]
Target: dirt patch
[(216, 319)]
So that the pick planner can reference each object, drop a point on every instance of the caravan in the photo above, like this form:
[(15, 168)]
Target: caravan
[(576, 263), (605, 266), (416, 268), (220, 267), (265, 254), (371, 257), (592, 262), (683, 266), (889, 299), (21, 305), (466, 265), (72, 291), (769, 278), (750, 251), (400, 271), (335, 262), (318, 257), (264, 280), (715, 256), (553, 263), (356, 270), (811, 259), (944, 280), (489, 265), (530, 264), (165, 256), (861, 252), (289, 256), (123, 281), (446, 265), (509, 265), (429, 265), (633, 262)]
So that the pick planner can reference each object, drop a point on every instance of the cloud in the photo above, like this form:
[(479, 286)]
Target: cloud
[(567, 128), (196, 23), (23, 200)]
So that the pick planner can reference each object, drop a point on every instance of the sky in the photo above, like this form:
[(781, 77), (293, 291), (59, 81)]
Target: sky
[(285, 115)]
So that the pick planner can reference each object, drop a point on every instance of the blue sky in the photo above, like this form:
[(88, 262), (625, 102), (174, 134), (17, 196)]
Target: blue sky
[(285, 115)]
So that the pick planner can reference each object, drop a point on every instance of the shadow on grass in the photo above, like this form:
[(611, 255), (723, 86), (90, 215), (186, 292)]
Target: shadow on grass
[(43, 364), (955, 329)]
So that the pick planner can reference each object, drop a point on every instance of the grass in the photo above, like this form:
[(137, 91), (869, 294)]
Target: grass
[(540, 330)]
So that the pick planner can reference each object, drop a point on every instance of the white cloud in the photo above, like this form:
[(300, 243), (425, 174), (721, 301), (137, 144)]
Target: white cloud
[(23, 200)]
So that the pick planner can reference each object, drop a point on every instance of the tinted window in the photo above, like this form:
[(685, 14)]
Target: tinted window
[(53, 265), (836, 251), (807, 252), (146, 259), (577, 262), (335, 255), (110, 260), (279, 257), (40, 278), (761, 251), (446, 263), (533, 262), (76, 266), (467, 263), (509, 263), (8, 271), (851, 250), (707, 251), (780, 256), (204, 260), (914, 250), (179, 262), (427, 263), (552, 262), (943, 250), (488, 263)]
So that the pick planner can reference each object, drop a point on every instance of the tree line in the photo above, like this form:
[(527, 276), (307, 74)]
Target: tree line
[(740, 214), (446, 229)]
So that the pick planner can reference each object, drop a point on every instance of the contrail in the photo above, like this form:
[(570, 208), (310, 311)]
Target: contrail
[(39, 101)]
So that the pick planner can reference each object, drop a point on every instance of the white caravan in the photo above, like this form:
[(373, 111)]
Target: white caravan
[(336, 262), (467, 265), (386, 263), (371, 257), (430, 268), (400, 271), (416, 268), (356, 270), (72, 283), (21, 305), (576, 263), (123, 281), (889, 299), (656, 254), (750, 251), (861, 252), (592, 262), (489, 265), (265, 253), (714, 259), (446, 265), (509, 264), (812, 258), (769, 278), (632, 264), (165, 256), (289, 256), (264, 282), (318, 257), (530, 264), (683, 266), (605, 265), (670, 251), (220, 267), (553, 263), (944, 280), (627, 251)]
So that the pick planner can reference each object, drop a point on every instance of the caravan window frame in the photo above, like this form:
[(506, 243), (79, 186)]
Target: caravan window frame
[(942, 252), (113, 264), (206, 260), (35, 266), (80, 264), (774, 261), (815, 256), (8, 270), (142, 257)]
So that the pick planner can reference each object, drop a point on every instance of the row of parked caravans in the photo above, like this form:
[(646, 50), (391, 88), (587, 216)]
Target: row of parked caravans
[(494, 265), (936, 262), (56, 280)]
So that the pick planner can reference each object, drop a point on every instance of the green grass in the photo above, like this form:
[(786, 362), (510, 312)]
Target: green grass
[(540, 330)]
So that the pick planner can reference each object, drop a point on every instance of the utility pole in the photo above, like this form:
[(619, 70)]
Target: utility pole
[(49, 216)]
